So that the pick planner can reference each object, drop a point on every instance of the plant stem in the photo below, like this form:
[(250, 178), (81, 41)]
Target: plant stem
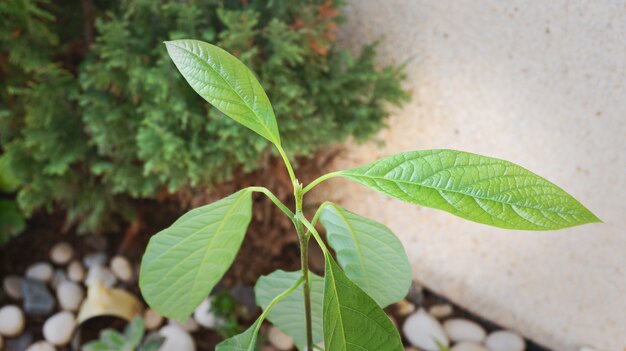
[(275, 200), (320, 179), (304, 262), (287, 163)]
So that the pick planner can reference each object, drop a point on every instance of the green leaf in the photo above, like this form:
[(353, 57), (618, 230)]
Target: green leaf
[(479, 188), (134, 332), (288, 314), (97, 345), (226, 83), (246, 341), (184, 262), (112, 338), (353, 321), (369, 253)]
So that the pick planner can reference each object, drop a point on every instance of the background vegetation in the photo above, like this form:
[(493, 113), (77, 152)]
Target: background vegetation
[(93, 115)]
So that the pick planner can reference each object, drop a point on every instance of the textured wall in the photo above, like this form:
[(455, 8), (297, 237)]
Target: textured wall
[(540, 83)]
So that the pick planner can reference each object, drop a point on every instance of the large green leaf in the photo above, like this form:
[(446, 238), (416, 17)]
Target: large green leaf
[(226, 83), (288, 314), (474, 187), (183, 263), (369, 253), (246, 341), (353, 321)]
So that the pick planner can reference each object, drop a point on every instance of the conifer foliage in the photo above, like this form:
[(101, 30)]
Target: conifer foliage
[(93, 113)]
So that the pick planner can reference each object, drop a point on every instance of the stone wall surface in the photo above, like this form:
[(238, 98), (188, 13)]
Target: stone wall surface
[(540, 83)]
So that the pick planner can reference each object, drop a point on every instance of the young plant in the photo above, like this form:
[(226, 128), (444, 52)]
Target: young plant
[(131, 340), (343, 309)]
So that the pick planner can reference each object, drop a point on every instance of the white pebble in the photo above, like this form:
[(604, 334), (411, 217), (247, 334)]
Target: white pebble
[(70, 295), (459, 329), (468, 346), (504, 340), (176, 339), (100, 273), (151, 319), (76, 271), (421, 330), (58, 328), (190, 325), (122, 268), (40, 271), (204, 316), (13, 286), (11, 321), (61, 253), (440, 311), (279, 339), (41, 346)]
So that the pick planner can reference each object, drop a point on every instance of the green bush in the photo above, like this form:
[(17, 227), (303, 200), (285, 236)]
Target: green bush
[(90, 126)]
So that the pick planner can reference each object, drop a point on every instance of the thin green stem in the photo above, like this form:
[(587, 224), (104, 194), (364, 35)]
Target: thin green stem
[(275, 301), (275, 200), (282, 153), (319, 180), (300, 217), (317, 215), (304, 261)]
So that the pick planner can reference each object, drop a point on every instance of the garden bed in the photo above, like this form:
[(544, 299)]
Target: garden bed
[(255, 259)]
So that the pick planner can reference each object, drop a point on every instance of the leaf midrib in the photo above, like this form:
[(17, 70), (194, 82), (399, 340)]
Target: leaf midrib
[(355, 175), (206, 63)]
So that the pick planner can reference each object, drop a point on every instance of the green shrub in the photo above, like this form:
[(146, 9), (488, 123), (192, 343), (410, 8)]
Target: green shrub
[(91, 127)]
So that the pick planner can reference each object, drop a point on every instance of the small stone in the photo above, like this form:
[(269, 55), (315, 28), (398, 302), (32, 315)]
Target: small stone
[(504, 340), (204, 316), (58, 277), (416, 293), (404, 308), (190, 325), (122, 269), (70, 295), (468, 346), (41, 346), (20, 343), (95, 259), (279, 339), (176, 339), (40, 271), (38, 301), (100, 273), (58, 329), (459, 329), (76, 271), (11, 321), (13, 286), (151, 319), (422, 331), (61, 253), (440, 311)]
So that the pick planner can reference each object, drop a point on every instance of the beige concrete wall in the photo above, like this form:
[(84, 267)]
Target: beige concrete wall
[(540, 83)]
